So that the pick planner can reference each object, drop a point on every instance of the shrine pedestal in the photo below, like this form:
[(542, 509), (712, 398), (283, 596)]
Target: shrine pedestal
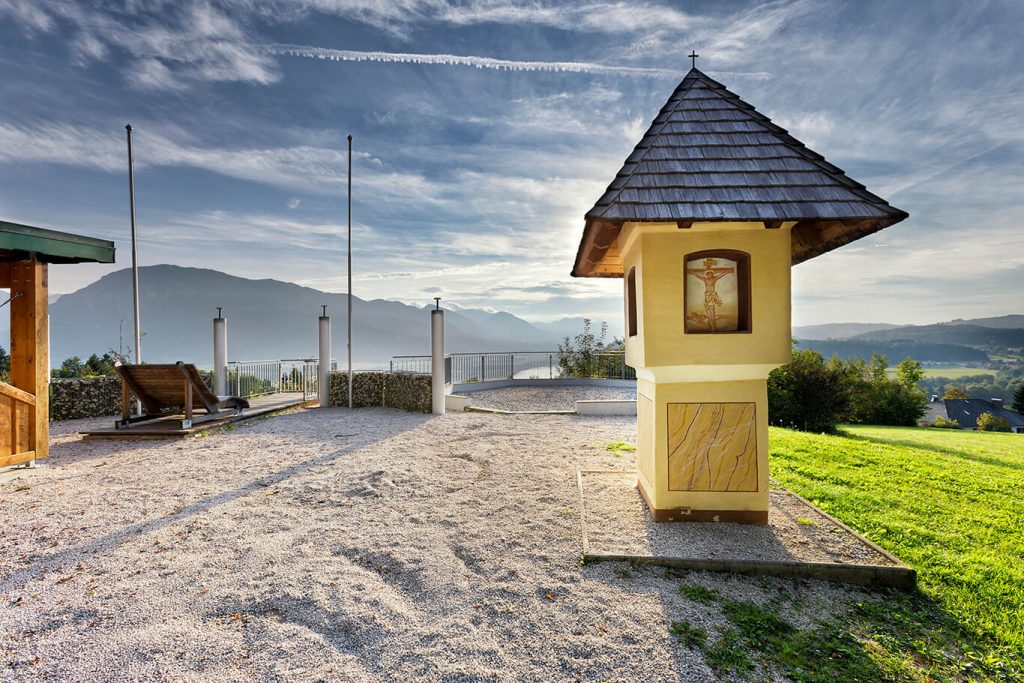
[(702, 450)]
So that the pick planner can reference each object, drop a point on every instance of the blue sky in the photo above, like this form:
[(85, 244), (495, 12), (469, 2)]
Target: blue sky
[(472, 174)]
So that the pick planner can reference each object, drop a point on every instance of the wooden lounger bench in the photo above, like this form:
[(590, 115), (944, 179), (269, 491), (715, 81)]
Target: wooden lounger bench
[(169, 390)]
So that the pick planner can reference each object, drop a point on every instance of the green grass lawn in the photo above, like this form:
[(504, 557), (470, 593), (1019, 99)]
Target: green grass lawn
[(950, 504), (950, 372)]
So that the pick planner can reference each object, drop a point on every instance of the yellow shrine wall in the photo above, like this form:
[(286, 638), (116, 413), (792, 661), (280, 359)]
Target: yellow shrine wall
[(715, 383), (658, 250)]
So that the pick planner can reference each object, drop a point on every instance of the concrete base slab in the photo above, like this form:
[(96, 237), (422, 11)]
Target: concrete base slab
[(799, 540), (606, 407), (455, 404)]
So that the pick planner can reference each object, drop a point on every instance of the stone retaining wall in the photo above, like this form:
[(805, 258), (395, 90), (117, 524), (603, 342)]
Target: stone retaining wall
[(391, 390), (78, 397)]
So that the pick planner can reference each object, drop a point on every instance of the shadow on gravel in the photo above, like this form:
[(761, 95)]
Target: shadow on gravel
[(82, 551)]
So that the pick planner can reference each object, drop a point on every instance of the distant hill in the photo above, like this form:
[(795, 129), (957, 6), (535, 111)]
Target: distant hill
[(896, 351), (1003, 321), (267, 319), (964, 333), (838, 330), (956, 341)]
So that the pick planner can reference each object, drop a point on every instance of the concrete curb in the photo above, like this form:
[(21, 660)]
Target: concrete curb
[(496, 411), (470, 387), (872, 576), (606, 407)]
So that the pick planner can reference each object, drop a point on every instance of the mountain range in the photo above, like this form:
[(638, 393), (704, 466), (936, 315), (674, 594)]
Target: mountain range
[(957, 341), (271, 319), (268, 319)]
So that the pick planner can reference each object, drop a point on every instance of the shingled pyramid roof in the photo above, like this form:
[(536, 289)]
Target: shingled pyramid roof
[(710, 156)]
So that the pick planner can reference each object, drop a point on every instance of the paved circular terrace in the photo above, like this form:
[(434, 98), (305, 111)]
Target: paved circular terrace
[(546, 398)]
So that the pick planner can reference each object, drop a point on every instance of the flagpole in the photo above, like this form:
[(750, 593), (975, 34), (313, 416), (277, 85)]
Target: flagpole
[(350, 272), (135, 253)]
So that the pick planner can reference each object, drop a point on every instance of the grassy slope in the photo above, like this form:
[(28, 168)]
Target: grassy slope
[(950, 372), (949, 503)]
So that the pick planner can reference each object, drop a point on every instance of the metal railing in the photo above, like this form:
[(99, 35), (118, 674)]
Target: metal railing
[(251, 378), (464, 368)]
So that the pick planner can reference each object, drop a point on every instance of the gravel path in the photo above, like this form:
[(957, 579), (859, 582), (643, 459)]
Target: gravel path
[(371, 545), (618, 523), (545, 398)]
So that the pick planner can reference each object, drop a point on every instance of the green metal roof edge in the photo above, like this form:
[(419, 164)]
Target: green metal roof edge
[(51, 244)]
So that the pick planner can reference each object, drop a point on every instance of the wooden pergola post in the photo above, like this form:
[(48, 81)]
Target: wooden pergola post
[(27, 399), (25, 252)]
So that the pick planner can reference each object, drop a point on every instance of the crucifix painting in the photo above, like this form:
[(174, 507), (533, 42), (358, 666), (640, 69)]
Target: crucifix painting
[(712, 295)]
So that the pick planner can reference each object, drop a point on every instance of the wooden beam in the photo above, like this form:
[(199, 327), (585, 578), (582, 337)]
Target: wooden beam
[(5, 275), (599, 238), (684, 225), (773, 225), (17, 394), (30, 349), (18, 458)]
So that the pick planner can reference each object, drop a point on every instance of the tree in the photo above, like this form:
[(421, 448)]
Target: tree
[(954, 393), (96, 366), (807, 394), (71, 367), (1017, 405), (5, 365), (909, 373), (879, 367), (987, 422), (579, 357)]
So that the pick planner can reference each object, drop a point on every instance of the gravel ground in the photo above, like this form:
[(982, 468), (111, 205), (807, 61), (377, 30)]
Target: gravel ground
[(545, 398), (333, 545), (619, 523)]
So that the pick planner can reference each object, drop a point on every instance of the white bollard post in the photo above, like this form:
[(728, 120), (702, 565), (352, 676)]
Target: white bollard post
[(437, 357), (324, 388), (220, 354)]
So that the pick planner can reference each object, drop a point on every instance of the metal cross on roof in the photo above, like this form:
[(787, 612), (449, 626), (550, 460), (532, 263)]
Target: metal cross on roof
[(693, 58)]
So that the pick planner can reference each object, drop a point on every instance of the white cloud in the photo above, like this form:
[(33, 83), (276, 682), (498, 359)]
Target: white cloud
[(152, 74), (461, 60), (29, 14), (310, 169), (177, 43)]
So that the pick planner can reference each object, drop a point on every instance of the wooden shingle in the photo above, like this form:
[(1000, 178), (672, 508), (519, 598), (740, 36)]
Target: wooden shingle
[(710, 156)]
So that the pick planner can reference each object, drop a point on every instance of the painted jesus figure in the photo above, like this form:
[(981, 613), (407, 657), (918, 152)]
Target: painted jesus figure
[(709, 275)]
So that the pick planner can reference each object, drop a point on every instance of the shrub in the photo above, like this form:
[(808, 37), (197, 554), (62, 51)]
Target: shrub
[(806, 394), (811, 395), (955, 393), (943, 423), (987, 422)]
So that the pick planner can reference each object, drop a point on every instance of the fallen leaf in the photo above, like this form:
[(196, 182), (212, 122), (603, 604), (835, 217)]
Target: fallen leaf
[(476, 606), (65, 579), (205, 590), (602, 629), (549, 596)]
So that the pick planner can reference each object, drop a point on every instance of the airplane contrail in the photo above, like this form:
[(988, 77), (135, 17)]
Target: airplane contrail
[(463, 60)]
